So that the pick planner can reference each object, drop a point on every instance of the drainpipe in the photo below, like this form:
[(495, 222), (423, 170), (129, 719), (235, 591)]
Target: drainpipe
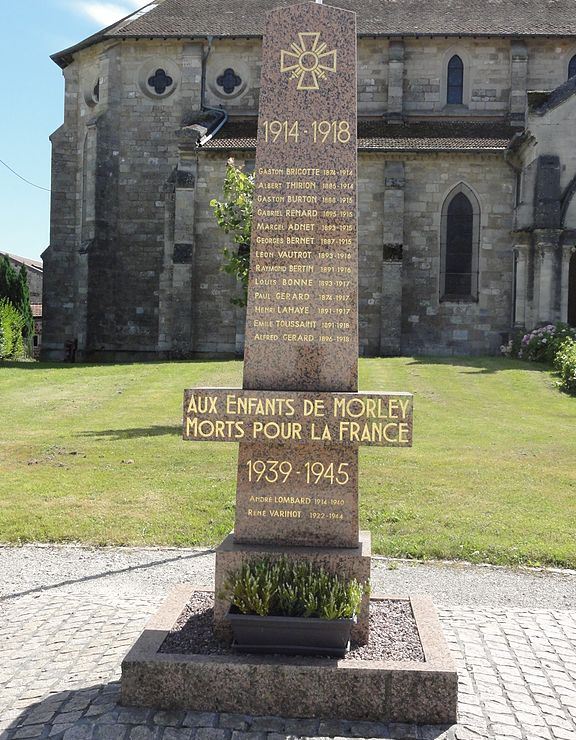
[(207, 137)]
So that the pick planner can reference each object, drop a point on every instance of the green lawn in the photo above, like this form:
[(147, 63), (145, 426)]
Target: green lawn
[(93, 454)]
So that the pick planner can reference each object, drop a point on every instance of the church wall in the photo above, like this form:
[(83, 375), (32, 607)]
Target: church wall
[(428, 325), (552, 136), (111, 276), (137, 155), (548, 62), (139, 140), (60, 279), (244, 57), (486, 75), (371, 189), (432, 326), (214, 317), (372, 76)]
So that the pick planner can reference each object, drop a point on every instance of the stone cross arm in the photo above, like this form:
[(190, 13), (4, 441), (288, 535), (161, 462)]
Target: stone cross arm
[(351, 419)]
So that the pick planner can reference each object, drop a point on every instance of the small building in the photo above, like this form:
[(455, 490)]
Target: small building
[(35, 274), (467, 176)]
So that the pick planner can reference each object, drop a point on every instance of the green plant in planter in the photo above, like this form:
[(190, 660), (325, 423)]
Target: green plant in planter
[(284, 588)]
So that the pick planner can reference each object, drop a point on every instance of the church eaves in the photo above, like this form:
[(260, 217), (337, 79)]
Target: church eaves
[(476, 136), (245, 18)]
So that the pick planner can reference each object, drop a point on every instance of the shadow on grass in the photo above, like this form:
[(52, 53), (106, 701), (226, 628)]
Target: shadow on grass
[(481, 365), (484, 364), (115, 435), (40, 366)]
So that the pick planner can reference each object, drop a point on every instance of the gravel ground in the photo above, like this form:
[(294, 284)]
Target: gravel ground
[(150, 572), (393, 633)]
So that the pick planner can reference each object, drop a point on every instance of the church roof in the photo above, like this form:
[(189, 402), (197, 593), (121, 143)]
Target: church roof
[(201, 18), (33, 264), (542, 102), (473, 136)]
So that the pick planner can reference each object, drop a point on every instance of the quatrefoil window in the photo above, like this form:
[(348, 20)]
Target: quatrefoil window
[(229, 81), (160, 82)]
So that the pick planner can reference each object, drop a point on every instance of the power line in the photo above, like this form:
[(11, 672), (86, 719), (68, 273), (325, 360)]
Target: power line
[(23, 178)]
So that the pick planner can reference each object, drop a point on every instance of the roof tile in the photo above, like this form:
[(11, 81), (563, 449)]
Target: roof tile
[(201, 18), (381, 136), (379, 17)]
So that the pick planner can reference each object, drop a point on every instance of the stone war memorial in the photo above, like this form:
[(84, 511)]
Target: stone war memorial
[(299, 418)]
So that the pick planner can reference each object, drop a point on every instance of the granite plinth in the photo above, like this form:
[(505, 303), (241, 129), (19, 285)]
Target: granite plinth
[(425, 692), (348, 563)]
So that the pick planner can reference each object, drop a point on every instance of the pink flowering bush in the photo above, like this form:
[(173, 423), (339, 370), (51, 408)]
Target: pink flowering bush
[(542, 344), (554, 344)]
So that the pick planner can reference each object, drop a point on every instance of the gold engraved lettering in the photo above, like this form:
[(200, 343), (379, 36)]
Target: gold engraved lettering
[(277, 430), (203, 405), (314, 407), (297, 282), (285, 514)]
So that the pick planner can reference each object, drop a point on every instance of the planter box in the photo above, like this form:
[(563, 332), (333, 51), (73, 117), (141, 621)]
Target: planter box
[(290, 635), (380, 691)]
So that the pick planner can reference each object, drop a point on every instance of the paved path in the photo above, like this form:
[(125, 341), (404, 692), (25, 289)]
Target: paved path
[(68, 616)]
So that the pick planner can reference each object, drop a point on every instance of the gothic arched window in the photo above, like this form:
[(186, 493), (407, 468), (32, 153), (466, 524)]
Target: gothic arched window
[(460, 242), (572, 67), (455, 86)]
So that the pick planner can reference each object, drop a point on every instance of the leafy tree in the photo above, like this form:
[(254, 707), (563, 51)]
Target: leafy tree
[(234, 216), (24, 307), (8, 281), (14, 289), (11, 325)]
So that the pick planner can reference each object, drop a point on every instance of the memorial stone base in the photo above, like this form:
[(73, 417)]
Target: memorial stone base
[(326, 688), (348, 563)]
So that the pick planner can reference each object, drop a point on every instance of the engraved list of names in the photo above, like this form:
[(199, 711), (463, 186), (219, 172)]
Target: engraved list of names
[(302, 326)]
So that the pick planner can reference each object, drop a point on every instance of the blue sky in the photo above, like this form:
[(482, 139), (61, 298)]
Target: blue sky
[(32, 105)]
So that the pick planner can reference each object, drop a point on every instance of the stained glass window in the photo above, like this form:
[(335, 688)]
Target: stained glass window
[(459, 247), (455, 90)]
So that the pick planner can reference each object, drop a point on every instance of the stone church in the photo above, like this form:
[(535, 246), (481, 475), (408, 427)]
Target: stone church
[(467, 176)]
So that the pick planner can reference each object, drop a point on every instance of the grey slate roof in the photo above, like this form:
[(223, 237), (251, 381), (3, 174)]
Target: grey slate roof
[(199, 18), (380, 136), (33, 264), (542, 102)]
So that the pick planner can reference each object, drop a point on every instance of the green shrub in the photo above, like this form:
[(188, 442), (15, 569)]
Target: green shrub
[(292, 589), (14, 288), (234, 217), (565, 365), (11, 339)]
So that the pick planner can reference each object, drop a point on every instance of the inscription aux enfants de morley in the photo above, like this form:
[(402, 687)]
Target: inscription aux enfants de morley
[(299, 419), (374, 419)]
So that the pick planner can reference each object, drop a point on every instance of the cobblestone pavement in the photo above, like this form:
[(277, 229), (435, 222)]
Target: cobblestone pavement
[(61, 648)]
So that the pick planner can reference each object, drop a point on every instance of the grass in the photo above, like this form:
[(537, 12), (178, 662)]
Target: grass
[(92, 454)]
